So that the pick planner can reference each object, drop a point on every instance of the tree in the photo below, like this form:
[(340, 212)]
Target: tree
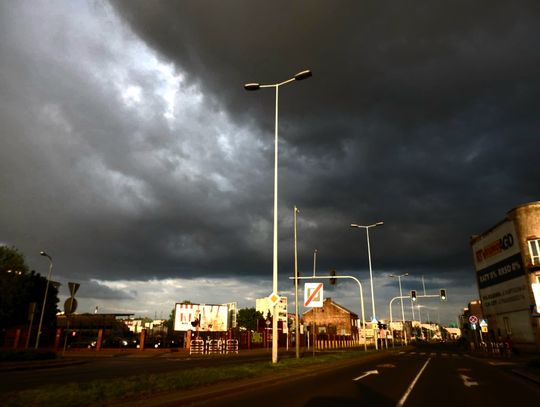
[(19, 288), (248, 317)]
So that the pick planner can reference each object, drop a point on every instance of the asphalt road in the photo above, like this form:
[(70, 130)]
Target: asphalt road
[(409, 378)]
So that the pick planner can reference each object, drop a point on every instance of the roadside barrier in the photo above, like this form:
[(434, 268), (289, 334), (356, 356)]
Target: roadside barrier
[(196, 347), (231, 346), (213, 346)]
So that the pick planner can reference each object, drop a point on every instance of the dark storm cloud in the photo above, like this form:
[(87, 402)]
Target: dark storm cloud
[(422, 115), (419, 114)]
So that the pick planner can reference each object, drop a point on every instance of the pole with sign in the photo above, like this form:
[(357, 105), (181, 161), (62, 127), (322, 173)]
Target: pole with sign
[(313, 298)]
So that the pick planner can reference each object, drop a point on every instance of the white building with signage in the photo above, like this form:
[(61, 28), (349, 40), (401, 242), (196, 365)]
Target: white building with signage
[(204, 317), (507, 264)]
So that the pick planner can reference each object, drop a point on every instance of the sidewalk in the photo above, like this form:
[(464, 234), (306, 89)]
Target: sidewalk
[(523, 364)]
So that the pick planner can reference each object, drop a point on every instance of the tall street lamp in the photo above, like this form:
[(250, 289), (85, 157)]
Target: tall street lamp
[(401, 301), (296, 321), (367, 227), (45, 297), (256, 86)]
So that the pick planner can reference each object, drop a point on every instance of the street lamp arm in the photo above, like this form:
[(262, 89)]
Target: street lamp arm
[(298, 77)]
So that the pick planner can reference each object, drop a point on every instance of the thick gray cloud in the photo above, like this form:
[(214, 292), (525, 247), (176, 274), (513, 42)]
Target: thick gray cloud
[(131, 151)]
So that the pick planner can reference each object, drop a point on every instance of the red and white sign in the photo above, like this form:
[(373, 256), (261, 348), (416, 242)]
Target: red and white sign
[(313, 295), (473, 319)]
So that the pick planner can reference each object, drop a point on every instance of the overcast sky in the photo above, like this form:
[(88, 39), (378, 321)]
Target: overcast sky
[(131, 153)]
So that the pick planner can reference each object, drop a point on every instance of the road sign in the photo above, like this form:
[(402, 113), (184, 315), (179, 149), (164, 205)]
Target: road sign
[(73, 287), (274, 299), (313, 295), (70, 305), (473, 319)]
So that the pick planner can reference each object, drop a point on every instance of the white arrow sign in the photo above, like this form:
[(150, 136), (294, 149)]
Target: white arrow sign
[(467, 381), (369, 372)]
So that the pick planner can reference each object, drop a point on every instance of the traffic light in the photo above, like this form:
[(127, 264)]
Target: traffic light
[(443, 294), (332, 280), (413, 295)]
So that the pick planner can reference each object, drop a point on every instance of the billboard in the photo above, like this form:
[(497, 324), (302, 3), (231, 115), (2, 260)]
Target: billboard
[(211, 318), (499, 270)]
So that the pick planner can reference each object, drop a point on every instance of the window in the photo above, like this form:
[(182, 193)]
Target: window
[(534, 250)]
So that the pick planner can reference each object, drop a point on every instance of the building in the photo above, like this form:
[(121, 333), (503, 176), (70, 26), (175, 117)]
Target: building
[(332, 319), (264, 306), (507, 264)]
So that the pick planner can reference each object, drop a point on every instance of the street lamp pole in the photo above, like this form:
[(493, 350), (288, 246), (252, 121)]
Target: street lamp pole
[(315, 261), (45, 297), (367, 227), (296, 322), (401, 301), (256, 86)]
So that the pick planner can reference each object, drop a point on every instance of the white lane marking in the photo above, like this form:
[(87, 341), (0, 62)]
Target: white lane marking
[(369, 372), (422, 353), (413, 353), (432, 354), (467, 381), (386, 365), (444, 354), (401, 353), (409, 389)]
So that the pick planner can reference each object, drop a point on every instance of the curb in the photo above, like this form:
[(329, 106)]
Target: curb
[(527, 375), (34, 365)]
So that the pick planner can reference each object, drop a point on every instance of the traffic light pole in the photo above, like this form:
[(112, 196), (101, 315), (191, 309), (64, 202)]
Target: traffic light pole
[(360, 290), (417, 296)]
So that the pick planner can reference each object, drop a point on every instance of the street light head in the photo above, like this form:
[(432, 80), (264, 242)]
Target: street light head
[(354, 225), (303, 75), (252, 86), (379, 223), (42, 253)]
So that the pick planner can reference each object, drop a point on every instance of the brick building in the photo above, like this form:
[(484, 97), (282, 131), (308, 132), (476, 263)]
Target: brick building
[(332, 319)]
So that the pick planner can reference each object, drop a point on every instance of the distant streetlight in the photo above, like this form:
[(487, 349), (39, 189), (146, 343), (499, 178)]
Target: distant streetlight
[(401, 301), (256, 86), (367, 227), (42, 253)]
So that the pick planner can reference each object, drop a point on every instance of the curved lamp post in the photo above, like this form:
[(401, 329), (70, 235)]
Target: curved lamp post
[(256, 86), (401, 301), (367, 227), (45, 297)]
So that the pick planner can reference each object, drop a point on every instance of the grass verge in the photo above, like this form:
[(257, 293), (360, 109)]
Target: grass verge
[(101, 392)]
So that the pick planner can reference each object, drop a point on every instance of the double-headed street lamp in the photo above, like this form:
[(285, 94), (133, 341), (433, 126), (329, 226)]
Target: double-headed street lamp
[(44, 298), (256, 86), (367, 227), (401, 301)]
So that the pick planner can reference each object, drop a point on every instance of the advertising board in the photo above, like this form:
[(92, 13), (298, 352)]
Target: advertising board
[(499, 270), (212, 318)]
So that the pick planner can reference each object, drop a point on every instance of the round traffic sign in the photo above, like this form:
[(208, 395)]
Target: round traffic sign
[(70, 305), (473, 319)]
